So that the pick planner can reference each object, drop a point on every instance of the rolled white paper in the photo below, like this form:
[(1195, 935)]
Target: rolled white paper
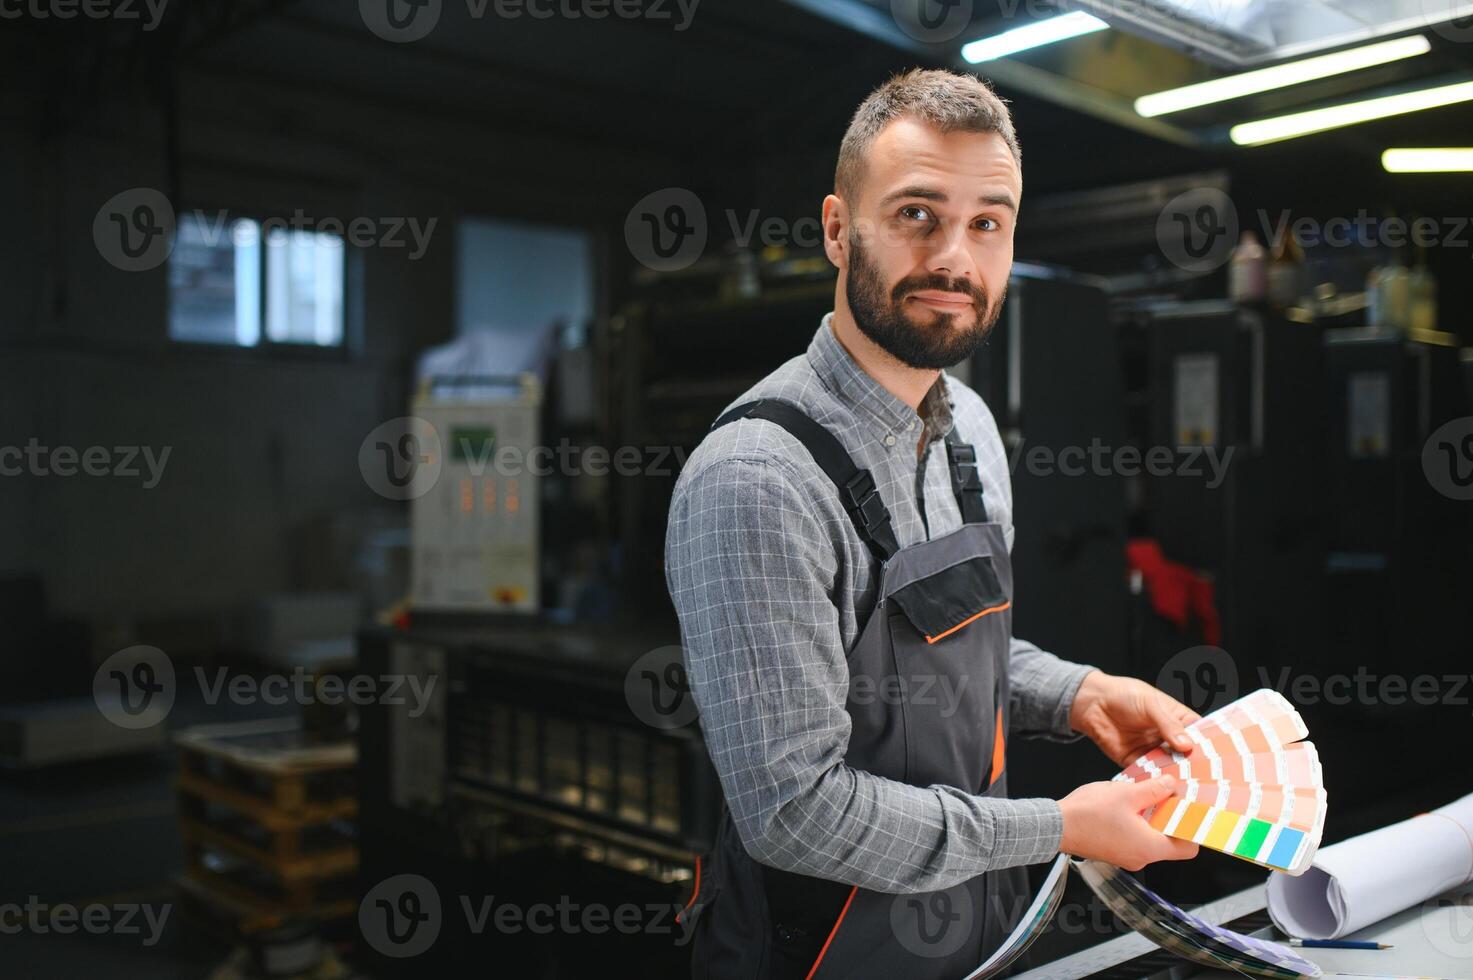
[(1364, 879)]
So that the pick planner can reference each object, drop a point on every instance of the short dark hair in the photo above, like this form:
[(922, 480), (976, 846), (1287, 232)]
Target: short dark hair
[(948, 100)]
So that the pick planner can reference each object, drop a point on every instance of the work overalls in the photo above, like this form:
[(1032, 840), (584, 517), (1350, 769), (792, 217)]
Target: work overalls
[(943, 611)]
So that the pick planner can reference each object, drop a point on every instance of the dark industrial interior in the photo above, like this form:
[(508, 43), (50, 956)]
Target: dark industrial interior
[(280, 273)]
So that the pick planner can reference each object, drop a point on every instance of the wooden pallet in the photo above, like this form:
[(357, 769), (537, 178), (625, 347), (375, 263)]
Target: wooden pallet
[(231, 910), (273, 761), (261, 805), (284, 858)]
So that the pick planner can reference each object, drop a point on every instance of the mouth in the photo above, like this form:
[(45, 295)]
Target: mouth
[(946, 302)]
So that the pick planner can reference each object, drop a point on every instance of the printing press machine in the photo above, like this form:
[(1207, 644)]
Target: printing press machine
[(529, 778)]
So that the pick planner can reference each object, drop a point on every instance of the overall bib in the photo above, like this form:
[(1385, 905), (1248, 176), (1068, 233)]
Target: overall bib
[(928, 698)]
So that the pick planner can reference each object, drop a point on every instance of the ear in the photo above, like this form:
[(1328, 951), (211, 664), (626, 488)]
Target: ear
[(836, 230)]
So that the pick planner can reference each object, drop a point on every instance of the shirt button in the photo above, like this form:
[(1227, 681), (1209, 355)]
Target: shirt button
[(889, 440)]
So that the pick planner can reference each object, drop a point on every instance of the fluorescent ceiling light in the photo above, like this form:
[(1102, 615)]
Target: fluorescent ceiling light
[(1263, 131), (1444, 160), (1281, 76), (1245, 34), (1034, 35)]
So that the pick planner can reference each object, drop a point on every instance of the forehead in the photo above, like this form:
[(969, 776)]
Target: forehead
[(909, 151)]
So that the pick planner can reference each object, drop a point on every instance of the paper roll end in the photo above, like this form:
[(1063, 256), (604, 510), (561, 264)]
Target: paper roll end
[(1300, 904)]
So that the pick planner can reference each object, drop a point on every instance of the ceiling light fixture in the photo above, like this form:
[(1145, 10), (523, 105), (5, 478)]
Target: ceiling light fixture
[(1272, 130), (1428, 160), (1033, 35), (1281, 76)]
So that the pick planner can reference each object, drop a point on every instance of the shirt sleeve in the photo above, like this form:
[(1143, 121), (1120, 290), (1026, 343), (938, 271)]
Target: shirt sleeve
[(1043, 689), (750, 571)]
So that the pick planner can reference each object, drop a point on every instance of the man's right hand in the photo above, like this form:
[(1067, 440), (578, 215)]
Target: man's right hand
[(1103, 821)]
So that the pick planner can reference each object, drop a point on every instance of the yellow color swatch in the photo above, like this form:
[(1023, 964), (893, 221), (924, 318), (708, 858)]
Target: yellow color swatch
[(1222, 829)]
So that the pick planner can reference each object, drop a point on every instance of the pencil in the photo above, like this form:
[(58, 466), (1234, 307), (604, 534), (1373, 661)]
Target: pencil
[(1338, 944)]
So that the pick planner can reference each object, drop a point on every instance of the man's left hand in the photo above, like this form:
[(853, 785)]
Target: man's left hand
[(1126, 717)]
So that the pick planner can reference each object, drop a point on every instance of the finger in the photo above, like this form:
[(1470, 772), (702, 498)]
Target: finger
[(1171, 849), (1164, 716), (1135, 752), (1152, 791)]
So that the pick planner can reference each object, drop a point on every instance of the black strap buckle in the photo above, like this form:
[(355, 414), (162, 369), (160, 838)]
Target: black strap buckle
[(964, 468), (862, 498)]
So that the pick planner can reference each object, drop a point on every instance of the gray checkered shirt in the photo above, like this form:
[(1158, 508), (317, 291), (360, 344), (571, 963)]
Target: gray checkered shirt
[(772, 584)]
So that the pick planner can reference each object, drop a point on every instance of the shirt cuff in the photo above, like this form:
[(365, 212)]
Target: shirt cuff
[(1070, 677), (1043, 693), (1029, 831)]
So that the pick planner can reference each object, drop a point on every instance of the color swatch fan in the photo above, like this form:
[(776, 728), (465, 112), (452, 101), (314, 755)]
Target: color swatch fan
[(1249, 787)]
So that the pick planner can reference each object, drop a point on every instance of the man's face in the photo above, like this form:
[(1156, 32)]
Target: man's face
[(930, 242)]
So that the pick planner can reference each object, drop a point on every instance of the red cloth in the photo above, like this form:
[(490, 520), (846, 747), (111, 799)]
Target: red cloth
[(1178, 593)]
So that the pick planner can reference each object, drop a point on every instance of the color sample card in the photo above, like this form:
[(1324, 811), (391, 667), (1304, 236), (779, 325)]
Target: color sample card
[(1293, 765), (1250, 786), (1295, 806), (1274, 845)]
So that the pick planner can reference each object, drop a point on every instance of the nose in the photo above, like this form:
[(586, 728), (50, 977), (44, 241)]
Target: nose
[(950, 255)]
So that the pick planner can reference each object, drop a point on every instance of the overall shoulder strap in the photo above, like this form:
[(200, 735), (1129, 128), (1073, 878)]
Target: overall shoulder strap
[(966, 481), (856, 486)]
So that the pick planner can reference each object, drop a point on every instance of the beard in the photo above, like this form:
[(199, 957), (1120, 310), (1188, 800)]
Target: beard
[(939, 340)]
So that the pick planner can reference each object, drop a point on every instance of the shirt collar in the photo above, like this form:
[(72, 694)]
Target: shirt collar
[(853, 385)]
